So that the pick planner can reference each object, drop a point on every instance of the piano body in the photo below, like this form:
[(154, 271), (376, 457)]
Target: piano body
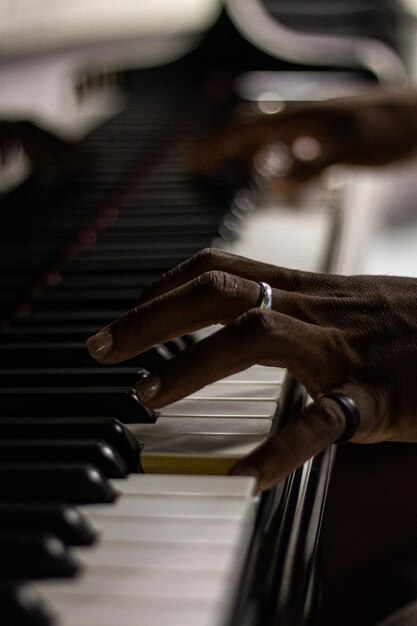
[(108, 514)]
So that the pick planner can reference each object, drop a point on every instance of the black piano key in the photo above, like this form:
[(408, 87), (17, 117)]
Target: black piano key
[(106, 428), (96, 452), (74, 483), (83, 264), (21, 605), (95, 299), (60, 519), (69, 377), (67, 354), (47, 334), (76, 318), (96, 280), (119, 402), (31, 555)]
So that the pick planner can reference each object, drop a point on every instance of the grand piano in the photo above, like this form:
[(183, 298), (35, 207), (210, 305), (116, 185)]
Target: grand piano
[(110, 514)]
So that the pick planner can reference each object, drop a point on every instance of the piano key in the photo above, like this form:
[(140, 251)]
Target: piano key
[(21, 605), (195, 454), (56, 428), (131, 264), (201, 407), (238, 391), (67, 354), (71, 280), (178, 555), (119, 402), (258, 374), (111, 376), (95, 452), (146, 551), (76, 318), (197, 530), (62, 520), (30, 555), (140, 505), (98, 610), (46, 334), (48, 482), (125, 582), (69, 377), (188, 484), (85, 300), (202, 425)]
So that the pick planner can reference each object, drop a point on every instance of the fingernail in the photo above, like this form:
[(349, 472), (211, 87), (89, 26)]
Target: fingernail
[(99, 345), (148, 387)]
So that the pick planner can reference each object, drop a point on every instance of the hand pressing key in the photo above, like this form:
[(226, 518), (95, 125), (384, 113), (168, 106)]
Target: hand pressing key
[(353, 336)]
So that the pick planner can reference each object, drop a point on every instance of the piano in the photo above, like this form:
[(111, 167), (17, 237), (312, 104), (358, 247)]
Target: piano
[(111, 515)]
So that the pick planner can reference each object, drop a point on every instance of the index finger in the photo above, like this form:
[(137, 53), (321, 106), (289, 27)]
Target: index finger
[(214, 297)]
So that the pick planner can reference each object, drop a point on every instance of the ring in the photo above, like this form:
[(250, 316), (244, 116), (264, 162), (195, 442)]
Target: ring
[(265, 297), (351, 413)]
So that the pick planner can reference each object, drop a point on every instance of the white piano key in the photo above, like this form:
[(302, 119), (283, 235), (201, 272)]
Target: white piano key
[(167, 529), (170, 506), (203, 425), (180, 555), (195, 454), (205, 445), (258, 374), (219, 408), (141, 582), (99, 610), (235, 390), (186, 484)]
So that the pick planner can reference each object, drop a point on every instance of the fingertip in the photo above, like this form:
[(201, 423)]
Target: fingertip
[(101, 344), (148, 387)]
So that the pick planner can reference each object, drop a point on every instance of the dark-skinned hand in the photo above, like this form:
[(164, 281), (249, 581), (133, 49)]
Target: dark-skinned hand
[(292, 147), (354, 335)]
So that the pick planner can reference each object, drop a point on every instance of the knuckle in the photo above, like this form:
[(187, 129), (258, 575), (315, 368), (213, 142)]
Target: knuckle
[(214, 283), (262, 322), (207, 259), (329, 420)]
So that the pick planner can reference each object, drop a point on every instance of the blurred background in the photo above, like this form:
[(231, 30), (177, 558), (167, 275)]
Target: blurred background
[(67, 69)]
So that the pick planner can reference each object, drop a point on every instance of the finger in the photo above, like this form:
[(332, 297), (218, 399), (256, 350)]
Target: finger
[(213, 297), (210, 259), (242, 141), (258, 336), (316, 427)]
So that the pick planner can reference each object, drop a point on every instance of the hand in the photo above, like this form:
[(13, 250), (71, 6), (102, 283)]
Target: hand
[(351, 335), (298, 144)]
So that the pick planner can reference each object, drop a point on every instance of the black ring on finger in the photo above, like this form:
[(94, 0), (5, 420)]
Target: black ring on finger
[(351, 413)]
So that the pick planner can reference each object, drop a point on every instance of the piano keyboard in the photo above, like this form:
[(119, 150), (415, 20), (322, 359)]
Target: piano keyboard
[(170, 543)]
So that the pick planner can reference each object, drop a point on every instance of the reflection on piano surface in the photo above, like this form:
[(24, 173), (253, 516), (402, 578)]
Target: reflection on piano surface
[(169, 544)]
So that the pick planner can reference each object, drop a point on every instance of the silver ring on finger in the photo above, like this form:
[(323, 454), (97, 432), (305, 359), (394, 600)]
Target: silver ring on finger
[(265, 297)]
